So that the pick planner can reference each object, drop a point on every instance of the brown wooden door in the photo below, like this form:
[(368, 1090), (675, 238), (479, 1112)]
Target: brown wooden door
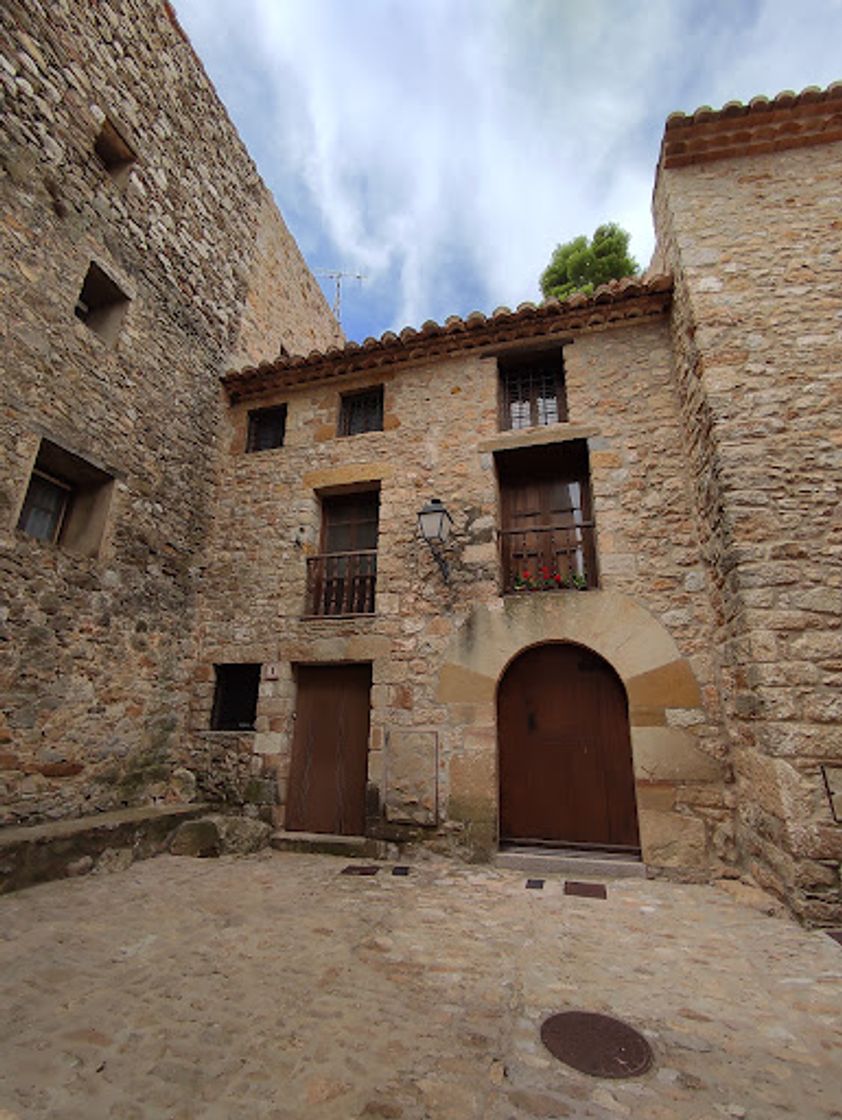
[(565, 751), (327, 778)]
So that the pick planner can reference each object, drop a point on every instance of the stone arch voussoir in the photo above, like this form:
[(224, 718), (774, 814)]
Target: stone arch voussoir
[(657, 680)]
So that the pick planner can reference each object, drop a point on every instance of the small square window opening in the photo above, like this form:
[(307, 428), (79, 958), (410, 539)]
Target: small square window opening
[(116, 153), (101, 304), (67, 500), (235, 697), (532, 391), (267, 428), (361, 412)]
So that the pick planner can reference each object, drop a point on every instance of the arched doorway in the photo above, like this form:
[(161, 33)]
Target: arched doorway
[(565, 757)]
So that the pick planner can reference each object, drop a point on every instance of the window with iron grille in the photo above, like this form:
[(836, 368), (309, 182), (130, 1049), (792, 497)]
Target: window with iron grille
[(532, 391), (361, 412), (267, 427)]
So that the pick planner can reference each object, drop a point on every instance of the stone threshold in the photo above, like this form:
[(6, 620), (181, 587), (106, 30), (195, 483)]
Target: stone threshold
[(365, 847), (581, 864), (58, 849)]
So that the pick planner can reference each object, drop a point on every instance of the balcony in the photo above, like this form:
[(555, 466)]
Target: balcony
[(341, 583), (549, 558)]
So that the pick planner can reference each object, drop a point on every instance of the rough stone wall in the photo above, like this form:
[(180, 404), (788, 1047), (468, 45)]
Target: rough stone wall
[(439, 439), (95, 650), (755, 248)]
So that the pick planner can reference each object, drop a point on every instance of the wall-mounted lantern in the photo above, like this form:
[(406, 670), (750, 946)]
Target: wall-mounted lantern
[(434, 525)]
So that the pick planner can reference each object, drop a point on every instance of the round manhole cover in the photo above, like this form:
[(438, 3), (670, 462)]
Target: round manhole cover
[(596, 1044)]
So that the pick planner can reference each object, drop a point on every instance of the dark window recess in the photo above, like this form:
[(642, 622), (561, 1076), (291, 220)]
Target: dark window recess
[(267, 427), (66, 501), (532, 391), (235, 697), (361, 412), (341, 580), (101, 304), (116, 153), (547, 539)]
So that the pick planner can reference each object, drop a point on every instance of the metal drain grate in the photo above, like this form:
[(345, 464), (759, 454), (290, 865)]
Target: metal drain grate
[(534, 884), (599, 1045), (836, 934), (586, 890), (359, 869), (401, 871)]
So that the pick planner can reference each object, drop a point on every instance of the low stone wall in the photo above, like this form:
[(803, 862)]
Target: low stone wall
[(106, 842)]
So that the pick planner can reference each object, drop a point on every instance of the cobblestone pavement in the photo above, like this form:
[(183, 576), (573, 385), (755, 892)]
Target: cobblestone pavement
[(273, 987)]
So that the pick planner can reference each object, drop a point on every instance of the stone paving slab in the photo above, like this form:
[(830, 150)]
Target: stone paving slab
[(274, 987)]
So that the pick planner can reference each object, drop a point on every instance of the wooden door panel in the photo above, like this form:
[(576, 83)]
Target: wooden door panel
[(326, 789), (565, 751)]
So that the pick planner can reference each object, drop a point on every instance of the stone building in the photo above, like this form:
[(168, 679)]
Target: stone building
[(637, 645), (629, 641), (141, 255)]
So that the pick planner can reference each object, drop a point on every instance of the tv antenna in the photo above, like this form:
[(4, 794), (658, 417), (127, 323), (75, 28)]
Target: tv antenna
[(337, 277)]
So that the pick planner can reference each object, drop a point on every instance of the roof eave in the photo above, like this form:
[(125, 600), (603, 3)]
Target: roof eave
[(616, 303)]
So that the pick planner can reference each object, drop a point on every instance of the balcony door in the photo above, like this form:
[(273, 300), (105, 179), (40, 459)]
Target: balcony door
[(342, 578), (547, 530)]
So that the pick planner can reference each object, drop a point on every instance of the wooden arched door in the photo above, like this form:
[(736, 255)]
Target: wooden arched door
[(566, 772)]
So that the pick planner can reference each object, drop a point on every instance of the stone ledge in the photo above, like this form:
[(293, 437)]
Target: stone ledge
[(537, 437), (41, 852), (365, 847)]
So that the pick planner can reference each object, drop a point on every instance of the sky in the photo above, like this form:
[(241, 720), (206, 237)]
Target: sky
[(441, 149)]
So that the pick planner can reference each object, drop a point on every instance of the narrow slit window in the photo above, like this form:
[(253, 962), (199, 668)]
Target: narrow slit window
[(114, 151)]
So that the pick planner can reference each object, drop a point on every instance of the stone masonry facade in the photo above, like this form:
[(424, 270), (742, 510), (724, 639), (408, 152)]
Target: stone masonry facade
[(143, 257), (747, 212), (95, 642), (432, 768)]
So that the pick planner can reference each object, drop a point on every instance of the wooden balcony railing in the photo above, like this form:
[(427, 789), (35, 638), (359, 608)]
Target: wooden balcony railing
[(341, 583), (549, 558)]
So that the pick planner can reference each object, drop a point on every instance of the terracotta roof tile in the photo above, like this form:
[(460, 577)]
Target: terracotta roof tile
[(788, 120), (620, 301)]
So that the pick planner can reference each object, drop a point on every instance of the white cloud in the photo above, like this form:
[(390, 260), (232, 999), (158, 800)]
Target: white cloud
[(444, 147)]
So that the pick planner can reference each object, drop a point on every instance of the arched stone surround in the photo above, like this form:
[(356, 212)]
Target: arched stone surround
[(664, 708)]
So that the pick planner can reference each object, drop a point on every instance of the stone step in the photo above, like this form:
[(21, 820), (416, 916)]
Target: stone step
[(364, 847), (37, 853), (571, 862)]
